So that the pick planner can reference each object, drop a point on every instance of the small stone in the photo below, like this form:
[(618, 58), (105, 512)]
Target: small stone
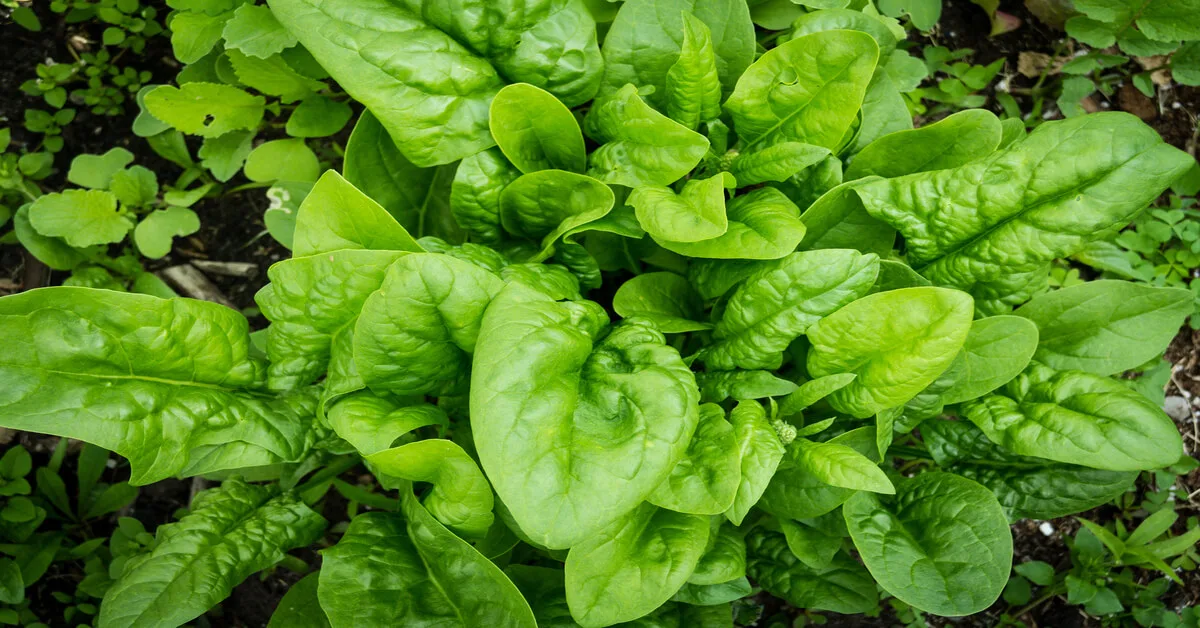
[(1177, 408), (1046, 528)]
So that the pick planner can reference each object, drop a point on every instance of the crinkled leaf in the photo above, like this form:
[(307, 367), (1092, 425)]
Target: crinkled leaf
[(640, 146), (575, 432)]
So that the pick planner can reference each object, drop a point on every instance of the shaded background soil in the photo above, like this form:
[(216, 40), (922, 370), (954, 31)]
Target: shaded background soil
[(233, 231)]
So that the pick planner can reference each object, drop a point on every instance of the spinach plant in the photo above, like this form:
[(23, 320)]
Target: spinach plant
[(633, 324)]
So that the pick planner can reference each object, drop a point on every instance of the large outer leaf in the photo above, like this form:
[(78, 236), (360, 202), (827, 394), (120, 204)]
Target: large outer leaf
[(897, 342), (411, 571), (807, 90), (548, 43), (575, 432), (429, 91), (417, 332), (633, 566), (414, 196), (646, 40), (167, 383), (308, 301), (230, 533), (842, 586), (779, 303), (1106, 327), (1039, 199), (1077, 418), (942, 544), (1026, 487)]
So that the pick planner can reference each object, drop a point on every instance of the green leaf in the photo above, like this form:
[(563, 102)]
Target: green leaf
[(692, 82), (648, 38), (548, 204), (1106, 327), (135, 186), (780, 302), (842, 466), (1170, 20), (224, 155), (897, 342), (810, 544), (948, 143), (807, 90), (666, 299), (336, 215), (113, 498), (760, 451), (794, 493), (53, 252), (415, 335), (282, 160), (389, 70), (842, 586), (26, 18), (155, 233), (318, 116), (309, 301), (923, 13), (813, 391), (96, 171), (272, 76), (536, 131), (763, 224), (206, 109), (997, 349), (229, 533), (574, 410), (402, 571), (717, 386), (254, 30), (942, 544), (1077, 418), (12, 585), (1026, 487), (82, 218), (838, 220), (166, 414), (475, 193), (416, 197), (640, 146), (1068, 180), (1185, 64), (705, 481), (194, 34), (633, 566), (778, 162), (461, 497), (696, 213), (300, 607)]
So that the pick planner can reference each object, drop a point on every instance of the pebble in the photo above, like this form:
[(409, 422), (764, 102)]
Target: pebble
[(1047, 528), (1177, 408)]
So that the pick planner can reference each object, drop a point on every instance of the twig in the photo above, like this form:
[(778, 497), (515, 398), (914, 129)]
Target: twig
[(1187, 396), (193, 283), (226, 269)]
